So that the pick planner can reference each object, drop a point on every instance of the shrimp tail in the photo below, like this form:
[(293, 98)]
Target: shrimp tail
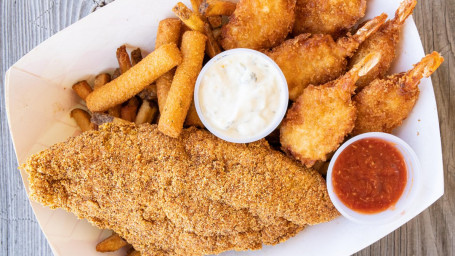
[(369, 28), (406, 8), (358, 70), (424, 68), (349, 43)]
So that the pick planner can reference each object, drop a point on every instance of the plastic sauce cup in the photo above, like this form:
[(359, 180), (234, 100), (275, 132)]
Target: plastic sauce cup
[(407, 197), (283, 97)]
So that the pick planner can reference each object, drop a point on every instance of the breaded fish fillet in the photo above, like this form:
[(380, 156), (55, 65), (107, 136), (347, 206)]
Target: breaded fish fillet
[(258, 24), (193, 195)]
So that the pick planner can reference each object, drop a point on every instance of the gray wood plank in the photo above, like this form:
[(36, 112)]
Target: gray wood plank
[(26, 23)]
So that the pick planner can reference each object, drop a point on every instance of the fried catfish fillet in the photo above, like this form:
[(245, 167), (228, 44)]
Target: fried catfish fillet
[(385, 41), (258, 24), (193, 195), (385, 103), (327, 17), (322, 116), (318, 59)]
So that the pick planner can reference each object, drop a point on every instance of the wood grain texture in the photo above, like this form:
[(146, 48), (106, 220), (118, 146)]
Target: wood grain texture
[(26, 23)]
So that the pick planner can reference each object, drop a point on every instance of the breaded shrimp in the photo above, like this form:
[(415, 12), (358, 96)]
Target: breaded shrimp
[(385, 103), (328, 17), (317, 59), (258, 24), (385, 41), (322, 116)]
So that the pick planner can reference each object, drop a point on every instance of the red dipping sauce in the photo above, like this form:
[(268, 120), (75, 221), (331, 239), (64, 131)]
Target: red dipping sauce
[(369, 176)]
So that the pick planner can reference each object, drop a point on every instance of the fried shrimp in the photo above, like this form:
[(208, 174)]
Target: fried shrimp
[(385, 41), (317, 59), (258, 24), (322, 116), (385, 103), (328, 17)]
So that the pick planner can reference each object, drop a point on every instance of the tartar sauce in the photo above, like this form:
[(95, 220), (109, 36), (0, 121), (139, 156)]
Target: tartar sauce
[(241, 95)]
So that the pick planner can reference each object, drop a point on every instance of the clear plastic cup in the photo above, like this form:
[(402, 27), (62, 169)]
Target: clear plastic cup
[(409, 193), (283, 98)]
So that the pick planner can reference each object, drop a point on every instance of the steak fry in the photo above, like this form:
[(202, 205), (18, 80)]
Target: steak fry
[(192, 195)]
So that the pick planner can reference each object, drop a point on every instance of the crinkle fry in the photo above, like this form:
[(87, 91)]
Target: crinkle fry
[(181, 93), (135, 79)]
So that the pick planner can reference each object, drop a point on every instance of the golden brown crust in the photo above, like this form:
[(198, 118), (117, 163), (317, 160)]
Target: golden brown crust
[(327, 17), (317, 123), (385, 41), (188, 196), (322, 116), (309, 59), (383, 105), (317, 59), (258, 24)]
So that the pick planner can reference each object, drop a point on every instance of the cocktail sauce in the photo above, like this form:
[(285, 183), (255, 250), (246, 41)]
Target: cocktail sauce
[(369, 176)]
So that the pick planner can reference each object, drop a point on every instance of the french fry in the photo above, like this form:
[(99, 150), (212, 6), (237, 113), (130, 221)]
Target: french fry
[(128, 112), (146, 112), (101, 80), (216, 34), (192, 118), (123, 59), (181, 93), (217, 7), (82, 119), (215, 21), (195, 4), (134, 253), (82, 88), (191, 19), (111, 244), (212, 48), (116, 74), (136, 56), (168, 32), (135, 79), (115, 110), (100, 118), (163, 84), (149, 93)]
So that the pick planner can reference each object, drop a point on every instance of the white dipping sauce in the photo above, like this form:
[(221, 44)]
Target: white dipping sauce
[(240, 95)]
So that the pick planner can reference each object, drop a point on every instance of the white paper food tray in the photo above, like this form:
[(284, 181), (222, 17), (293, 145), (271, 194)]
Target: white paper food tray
[(39, 99)]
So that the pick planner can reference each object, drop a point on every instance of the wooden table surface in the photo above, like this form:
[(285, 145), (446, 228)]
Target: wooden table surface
[(26, 23)]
